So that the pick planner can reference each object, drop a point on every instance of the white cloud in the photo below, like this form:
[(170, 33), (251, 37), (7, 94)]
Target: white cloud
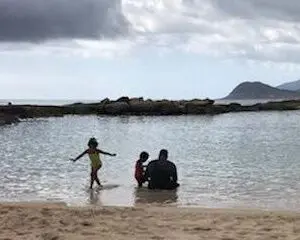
[(260, 30)]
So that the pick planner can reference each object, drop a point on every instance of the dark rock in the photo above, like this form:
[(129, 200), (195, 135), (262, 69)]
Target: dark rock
[(116, 108), (235, 107), (8, 119), (194, 109), (166, 107), (15, 110), (30, 111), (274, 106), (43, 111), (253, 108), (137, 106), (141, 99), (209, 101), (216, 109), (205, 102), (277, 106), (123, 99), (81, 109), (101, 108), (197, 106), (105, 101)]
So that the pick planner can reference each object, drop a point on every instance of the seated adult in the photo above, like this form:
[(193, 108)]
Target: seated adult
[(161, 173)]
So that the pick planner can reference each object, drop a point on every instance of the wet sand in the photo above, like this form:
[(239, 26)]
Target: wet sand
[(57, 221)]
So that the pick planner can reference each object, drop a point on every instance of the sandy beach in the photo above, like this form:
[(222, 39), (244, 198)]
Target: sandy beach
[(57, 221)]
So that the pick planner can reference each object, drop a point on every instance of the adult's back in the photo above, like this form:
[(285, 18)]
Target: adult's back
[(162, 173)]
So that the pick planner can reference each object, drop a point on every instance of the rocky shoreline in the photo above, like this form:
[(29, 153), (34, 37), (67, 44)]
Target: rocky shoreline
[(137, 106)]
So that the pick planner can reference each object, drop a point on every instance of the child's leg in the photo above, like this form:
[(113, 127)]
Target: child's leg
[(92, 178), (96, 176), (139, 181)]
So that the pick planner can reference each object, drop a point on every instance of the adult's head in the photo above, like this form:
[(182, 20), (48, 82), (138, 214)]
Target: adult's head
[(163, 154)]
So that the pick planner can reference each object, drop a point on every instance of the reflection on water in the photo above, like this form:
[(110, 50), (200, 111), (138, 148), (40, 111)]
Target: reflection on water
[(94, 197), (146, 196), (140, 196)]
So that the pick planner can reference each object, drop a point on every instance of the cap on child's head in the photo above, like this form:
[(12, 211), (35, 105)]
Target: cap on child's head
[(92, 142), (144, 155)]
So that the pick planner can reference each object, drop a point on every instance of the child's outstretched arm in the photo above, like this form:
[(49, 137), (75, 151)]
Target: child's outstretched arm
[(107, 153), (79, 156)]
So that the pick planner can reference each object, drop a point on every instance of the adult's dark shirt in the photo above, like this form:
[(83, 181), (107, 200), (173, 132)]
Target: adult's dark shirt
[(161, 174)]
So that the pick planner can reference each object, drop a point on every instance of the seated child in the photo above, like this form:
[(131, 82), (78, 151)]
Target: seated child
[(139, 169)]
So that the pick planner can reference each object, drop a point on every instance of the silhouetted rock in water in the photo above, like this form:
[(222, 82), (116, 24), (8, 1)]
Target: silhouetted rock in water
[(105, 101), (81, 108), (32, 111), (116, 108), (280, 106), (197, 106), (137, 99), (235, 107), (139, 106), (8, 119), (123, 99), (258, 90), (42, 111), (165, 107)]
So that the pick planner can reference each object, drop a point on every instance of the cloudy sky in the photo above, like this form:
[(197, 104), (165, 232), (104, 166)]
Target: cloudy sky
[(91, 49)]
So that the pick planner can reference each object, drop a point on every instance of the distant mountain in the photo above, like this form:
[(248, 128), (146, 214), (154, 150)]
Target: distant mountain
[(258, 90), (292, 86)]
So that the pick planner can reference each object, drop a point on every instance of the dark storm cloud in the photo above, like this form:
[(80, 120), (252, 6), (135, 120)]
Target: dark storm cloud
[(41, 20)]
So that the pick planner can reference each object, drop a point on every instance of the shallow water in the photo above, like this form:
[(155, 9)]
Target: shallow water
[(229, 160)]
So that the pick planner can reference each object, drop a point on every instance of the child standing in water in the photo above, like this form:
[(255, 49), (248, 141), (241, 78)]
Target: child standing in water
[(96, 162), (139, 168)]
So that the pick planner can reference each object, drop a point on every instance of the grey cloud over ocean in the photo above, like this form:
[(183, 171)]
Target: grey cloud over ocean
[(264, 30), (41, 20)]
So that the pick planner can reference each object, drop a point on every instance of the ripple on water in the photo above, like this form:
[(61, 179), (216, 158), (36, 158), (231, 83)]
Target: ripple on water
[(238, 159)]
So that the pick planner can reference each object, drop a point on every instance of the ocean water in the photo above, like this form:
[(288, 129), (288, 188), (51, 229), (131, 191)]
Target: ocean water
[(230, 160)]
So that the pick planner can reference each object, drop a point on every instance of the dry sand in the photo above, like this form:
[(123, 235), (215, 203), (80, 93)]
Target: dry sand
[(57, 221)]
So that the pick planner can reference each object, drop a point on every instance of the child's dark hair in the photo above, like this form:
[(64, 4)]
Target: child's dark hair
[(93, 142), (144, 155)]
